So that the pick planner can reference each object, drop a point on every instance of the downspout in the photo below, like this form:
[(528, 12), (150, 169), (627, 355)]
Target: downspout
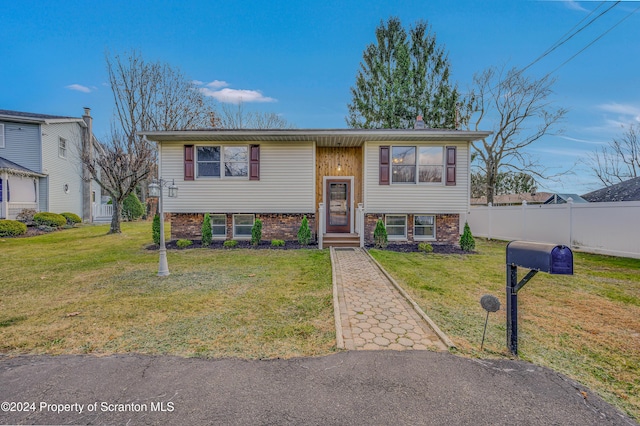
[(87, 152)]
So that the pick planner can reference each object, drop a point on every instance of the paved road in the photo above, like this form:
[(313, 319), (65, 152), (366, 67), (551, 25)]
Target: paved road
[(348, 388)]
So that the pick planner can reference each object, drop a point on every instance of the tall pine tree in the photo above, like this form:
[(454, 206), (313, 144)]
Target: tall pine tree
[(403, 75)]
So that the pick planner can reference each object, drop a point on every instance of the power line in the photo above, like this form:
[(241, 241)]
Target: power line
[(562, 40), (594, 40)]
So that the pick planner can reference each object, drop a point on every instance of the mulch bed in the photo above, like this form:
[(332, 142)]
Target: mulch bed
[(294, 245)]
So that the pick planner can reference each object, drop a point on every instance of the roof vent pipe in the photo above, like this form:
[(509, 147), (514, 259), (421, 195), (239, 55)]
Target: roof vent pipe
[(419, 124)]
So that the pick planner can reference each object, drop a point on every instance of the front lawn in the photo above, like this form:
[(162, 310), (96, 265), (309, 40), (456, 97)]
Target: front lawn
[(586, 326), (82, 291)]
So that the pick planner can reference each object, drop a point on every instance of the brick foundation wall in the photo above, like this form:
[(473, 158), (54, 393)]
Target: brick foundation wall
[(447, 228), (280, 226)]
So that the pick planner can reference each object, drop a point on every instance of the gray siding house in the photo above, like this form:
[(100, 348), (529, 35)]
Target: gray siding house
[(417, 181), (40, 165)]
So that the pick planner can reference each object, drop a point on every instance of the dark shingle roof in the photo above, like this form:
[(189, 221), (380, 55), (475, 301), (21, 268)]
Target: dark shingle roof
[(629, 190), (19, 114)]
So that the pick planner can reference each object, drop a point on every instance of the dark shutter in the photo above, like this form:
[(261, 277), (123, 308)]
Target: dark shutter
[(0, 190), (384, 165), (451, 165), (188, 162), (254, 162)]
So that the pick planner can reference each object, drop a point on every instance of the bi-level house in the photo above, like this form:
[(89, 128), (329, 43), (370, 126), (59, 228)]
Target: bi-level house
[(40, 165), (417, 181)]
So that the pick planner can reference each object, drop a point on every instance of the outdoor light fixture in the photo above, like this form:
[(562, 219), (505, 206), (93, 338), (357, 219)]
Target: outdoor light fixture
[(155, 191), (339, 166)]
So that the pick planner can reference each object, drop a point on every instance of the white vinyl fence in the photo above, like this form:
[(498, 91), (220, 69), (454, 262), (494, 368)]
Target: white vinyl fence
[(605, 228)]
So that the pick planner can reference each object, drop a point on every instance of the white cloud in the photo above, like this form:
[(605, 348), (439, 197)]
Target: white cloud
[(581, 140), (216, 84), (78, 88), (220, 91), (574, 5), (625, 111), (197, 82), (236, 96)]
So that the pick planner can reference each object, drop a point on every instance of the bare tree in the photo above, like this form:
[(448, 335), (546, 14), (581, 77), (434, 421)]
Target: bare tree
[(155, 96), (119, 166), (147, 96), (235, 117), (619, 160), (521, 112)]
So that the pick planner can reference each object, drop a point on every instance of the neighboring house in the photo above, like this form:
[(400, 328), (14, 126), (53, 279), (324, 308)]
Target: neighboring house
[(40, 165), (629, 190), (417, 181), (513, 199), (564, 198)]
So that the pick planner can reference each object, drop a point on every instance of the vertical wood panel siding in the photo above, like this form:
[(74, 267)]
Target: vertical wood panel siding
[(350, 160), (286, 182), (415, 198)]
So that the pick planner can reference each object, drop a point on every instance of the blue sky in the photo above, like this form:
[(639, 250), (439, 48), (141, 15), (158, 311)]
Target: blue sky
[(300, 58)]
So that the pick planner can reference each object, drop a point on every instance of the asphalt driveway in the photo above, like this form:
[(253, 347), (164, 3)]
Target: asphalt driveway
[(348, 388)]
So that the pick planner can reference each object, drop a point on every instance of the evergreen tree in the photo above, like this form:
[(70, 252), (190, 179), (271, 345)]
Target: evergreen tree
[(403, 75), (380, 238), (155, 229), (132, 208), (467, 243), (207, 234), (304, 233)]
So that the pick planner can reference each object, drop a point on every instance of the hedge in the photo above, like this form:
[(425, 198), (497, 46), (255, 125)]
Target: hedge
[(72, 218), (12, 228), (49, 219)]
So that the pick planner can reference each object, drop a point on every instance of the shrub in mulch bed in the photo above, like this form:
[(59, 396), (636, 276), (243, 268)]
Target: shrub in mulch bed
[(413, 248), (218, 244), (294, 245)]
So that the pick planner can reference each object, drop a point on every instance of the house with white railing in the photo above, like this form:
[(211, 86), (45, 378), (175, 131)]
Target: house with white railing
[(343, 181), (40, 166)]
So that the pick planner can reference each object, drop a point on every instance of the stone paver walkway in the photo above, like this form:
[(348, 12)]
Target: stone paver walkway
[(371, 313)]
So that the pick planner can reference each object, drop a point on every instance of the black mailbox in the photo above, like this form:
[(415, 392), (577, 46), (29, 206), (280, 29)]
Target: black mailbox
[(550, 258)]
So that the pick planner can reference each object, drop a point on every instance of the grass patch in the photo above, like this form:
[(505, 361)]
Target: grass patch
[(586, 326), (88, 292)]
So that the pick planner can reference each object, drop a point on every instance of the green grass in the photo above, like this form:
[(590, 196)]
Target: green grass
[(586, 326), (82, 291)]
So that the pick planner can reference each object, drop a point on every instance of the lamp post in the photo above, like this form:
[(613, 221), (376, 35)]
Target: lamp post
[(155, 191)]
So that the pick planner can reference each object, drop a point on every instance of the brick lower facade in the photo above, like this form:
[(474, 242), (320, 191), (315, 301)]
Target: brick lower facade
[(280, 226), (447, 228)]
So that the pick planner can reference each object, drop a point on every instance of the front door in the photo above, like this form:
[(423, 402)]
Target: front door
[(339, 206)]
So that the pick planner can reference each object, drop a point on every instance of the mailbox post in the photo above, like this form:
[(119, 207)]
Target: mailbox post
[(537, 257)]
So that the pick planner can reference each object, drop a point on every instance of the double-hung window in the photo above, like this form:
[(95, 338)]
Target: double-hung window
[(424, 227), (208, 161), (236, 161), (242, 224), (403, 164), (62, 148), (211, 160), (219, 225), (396, 226), (417, 164), (430, 164)]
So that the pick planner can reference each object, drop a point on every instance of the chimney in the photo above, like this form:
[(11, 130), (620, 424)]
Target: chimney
[(419, 124)]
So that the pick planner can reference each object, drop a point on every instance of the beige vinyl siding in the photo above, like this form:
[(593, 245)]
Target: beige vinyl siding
[(63, 171), (286, 185), (415, 198)]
